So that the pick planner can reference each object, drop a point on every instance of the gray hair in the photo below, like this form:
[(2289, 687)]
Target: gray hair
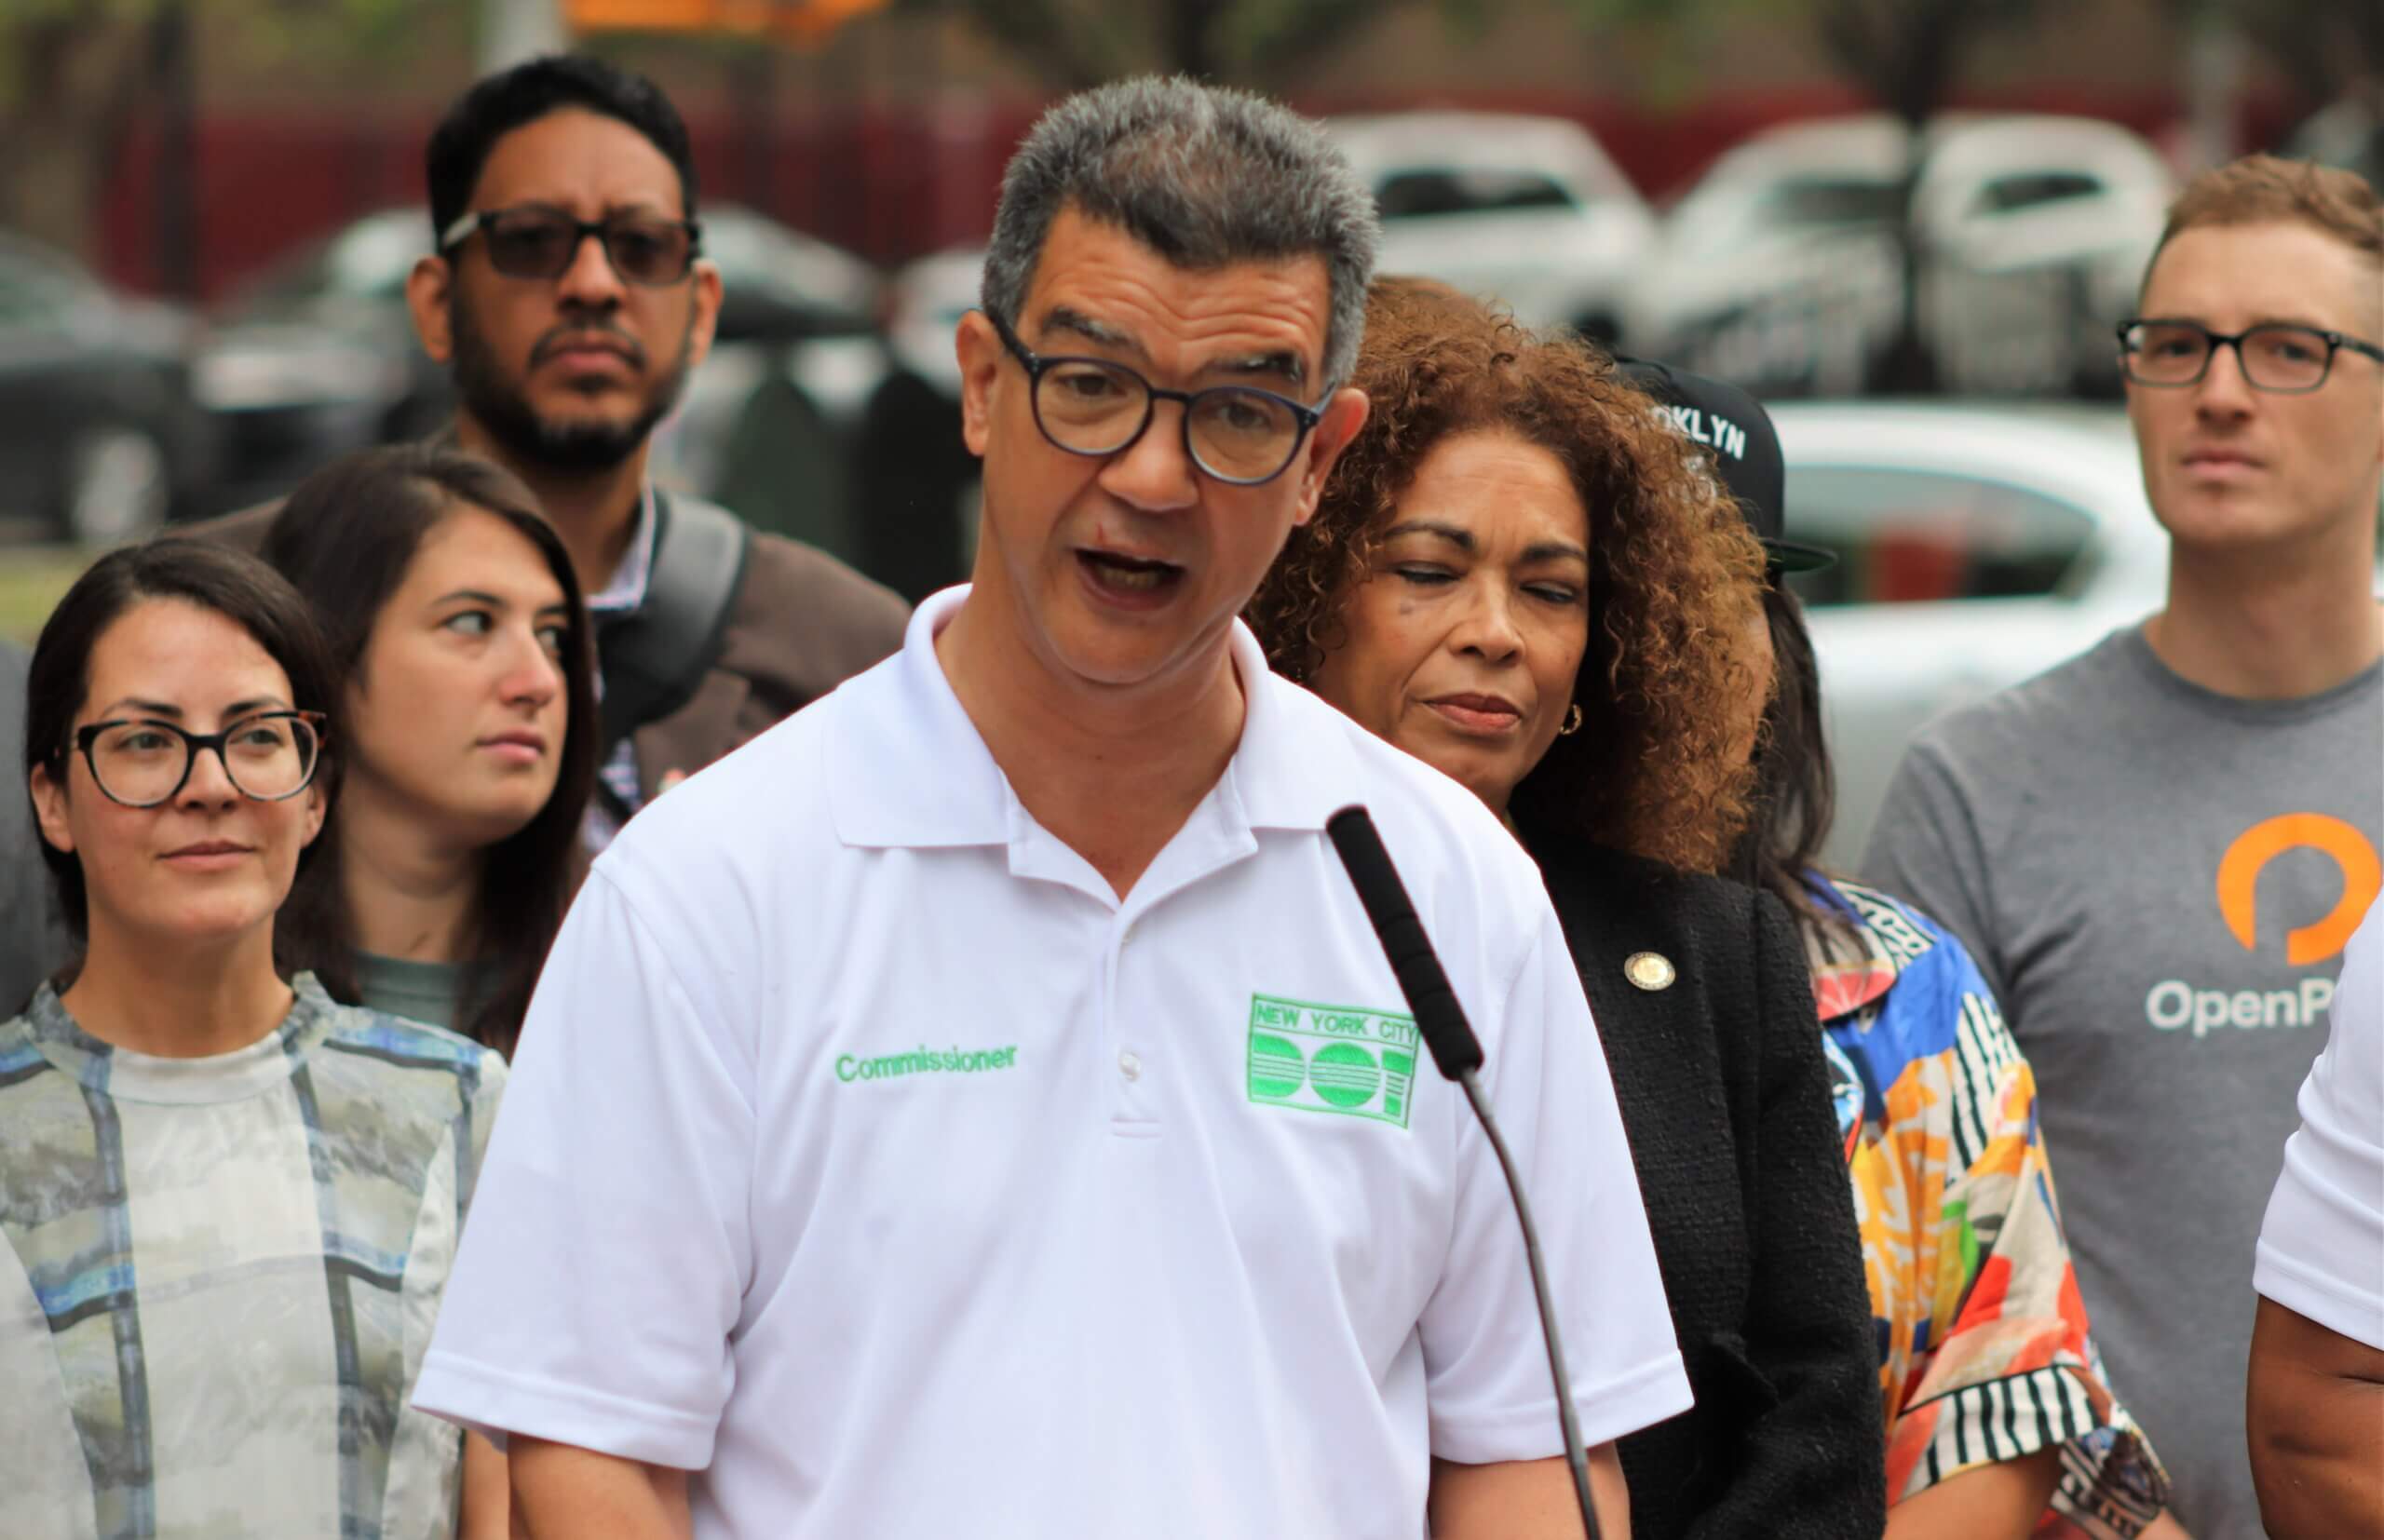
[(1202, 175)]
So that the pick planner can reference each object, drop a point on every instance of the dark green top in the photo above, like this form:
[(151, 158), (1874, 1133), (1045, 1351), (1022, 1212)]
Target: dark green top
[(418, 992)]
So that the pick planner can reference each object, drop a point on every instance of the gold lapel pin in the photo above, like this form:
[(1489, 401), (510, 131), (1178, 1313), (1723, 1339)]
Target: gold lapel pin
[(1649, 970)]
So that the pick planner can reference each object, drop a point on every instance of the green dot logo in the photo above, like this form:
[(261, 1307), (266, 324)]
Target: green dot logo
[(1275, 1068), (1345, 1074), (1341, 1061)]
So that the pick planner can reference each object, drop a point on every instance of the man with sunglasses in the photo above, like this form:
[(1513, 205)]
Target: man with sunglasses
[(2157, 850), (980, 1106), (568, 294)]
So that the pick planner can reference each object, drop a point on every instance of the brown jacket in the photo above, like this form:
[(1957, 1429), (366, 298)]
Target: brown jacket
[(804, 623)]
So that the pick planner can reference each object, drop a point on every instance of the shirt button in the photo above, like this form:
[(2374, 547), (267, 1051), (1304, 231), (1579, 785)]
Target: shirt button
[(1130, 1065), (1132, 931)]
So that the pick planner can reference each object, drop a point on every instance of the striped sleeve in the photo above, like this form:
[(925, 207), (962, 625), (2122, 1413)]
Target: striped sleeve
[(2011, 1371)]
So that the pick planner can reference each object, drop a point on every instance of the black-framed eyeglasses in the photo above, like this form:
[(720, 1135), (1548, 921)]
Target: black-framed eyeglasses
[(2276, 357), (140, 761), (534, 241), (1239, 435)]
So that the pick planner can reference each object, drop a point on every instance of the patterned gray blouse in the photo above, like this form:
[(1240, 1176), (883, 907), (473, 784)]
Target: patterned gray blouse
[(217, 1276)]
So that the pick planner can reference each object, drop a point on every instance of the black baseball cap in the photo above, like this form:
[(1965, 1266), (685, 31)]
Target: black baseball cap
[(1744, 452)]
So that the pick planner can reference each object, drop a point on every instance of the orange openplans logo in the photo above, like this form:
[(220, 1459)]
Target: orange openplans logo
[(2239, 876)]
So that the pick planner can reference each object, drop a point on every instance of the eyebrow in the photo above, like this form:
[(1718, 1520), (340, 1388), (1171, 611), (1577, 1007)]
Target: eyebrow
[(1545, 551), (2304, 323), (1280, 363), (166, 708)]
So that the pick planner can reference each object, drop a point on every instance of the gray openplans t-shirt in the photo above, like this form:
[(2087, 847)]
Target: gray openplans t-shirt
[(2159, 882)]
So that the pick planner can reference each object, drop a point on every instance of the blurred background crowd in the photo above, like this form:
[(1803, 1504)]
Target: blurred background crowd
[(1909, 225)]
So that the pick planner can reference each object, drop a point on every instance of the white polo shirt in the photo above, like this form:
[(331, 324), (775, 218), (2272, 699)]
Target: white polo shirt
[(868, 1154), (2322, 1245)]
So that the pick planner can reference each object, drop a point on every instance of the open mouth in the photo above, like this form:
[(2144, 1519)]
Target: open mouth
[(1129, 577)]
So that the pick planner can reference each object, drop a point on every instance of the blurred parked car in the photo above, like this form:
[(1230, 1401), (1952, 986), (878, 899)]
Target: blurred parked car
[(1527, 210), (1978, 546), (1781, 268), (317, 356), (99, 440)]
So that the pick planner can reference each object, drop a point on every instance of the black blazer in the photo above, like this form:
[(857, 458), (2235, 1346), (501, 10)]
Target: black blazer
[(1725, 1099)]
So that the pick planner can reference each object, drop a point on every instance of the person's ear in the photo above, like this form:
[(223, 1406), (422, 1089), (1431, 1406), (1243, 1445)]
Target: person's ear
[(1344, 415), (705, 322), (429, 291), (979, 350), (316, 807), (49, 810)]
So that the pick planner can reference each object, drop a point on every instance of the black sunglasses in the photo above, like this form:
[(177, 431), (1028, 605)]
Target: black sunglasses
[(532, 241)]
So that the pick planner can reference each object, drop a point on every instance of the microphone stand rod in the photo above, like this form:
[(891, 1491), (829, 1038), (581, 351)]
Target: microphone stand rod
[(1576, 1458)]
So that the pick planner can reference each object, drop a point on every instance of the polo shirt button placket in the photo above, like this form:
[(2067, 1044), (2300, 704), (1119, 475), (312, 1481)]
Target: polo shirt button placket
[(1130, 1103)]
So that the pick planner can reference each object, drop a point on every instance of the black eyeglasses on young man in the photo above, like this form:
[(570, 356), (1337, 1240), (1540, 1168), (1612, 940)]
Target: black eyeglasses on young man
[(2276, 357)]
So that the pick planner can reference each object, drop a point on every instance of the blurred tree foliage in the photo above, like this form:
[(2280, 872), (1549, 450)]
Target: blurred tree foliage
[(1071, 44), (77, 78), (2325, 49)]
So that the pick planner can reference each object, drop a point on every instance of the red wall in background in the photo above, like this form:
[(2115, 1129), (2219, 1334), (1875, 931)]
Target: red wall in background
[(889, 184)]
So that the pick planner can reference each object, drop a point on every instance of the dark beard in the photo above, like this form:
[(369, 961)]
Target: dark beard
[(567, 449)]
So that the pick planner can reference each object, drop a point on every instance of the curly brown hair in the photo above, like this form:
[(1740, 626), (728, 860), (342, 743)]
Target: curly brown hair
[(1674, 580)]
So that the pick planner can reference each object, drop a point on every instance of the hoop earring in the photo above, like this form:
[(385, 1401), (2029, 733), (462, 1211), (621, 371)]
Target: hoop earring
[(1572, 721)]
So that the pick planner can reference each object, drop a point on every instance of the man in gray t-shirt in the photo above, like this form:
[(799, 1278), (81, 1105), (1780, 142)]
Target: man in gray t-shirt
[(2157, 850)]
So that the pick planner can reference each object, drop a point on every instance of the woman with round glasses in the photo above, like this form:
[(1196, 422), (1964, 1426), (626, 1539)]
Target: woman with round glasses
[(227, 1203), (462, 648), (1516, 574)]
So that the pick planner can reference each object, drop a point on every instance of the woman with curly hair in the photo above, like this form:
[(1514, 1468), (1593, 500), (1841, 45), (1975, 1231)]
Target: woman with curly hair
[(1519, 574)]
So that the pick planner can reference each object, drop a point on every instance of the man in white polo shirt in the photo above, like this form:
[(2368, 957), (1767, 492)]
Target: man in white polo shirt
[(2315, 1417), (979, 1106)]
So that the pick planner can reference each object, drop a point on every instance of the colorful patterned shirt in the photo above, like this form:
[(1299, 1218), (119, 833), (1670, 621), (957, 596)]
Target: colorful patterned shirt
[(1984, 1350), (217, 1276)]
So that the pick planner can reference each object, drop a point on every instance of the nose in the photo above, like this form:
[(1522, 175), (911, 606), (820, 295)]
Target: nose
[(2224, 391), (1486, 629), (589, 281), (532, 678), (1155, 473), (209, 785)]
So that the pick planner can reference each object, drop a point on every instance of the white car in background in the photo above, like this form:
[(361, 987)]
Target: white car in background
[(1978, 546), (1526, 210), (1779, 270)]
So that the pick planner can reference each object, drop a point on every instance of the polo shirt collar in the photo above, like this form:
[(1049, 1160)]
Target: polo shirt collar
[(906, 767)]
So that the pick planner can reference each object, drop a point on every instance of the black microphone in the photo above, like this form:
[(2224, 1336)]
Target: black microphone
[(1440, 1019)]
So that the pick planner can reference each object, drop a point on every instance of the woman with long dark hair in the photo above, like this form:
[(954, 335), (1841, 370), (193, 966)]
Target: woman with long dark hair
[(227, 1203), (2001, 1420), (1517, 574), (463, 657)]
